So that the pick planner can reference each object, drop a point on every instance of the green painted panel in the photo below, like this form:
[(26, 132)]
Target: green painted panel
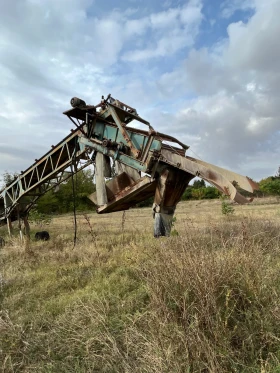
[(137, 139), (110, 133), (99, 130), (104, 131), (156, 145)]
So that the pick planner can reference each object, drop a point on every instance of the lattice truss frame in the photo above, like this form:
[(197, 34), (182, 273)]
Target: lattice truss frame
[(54, 168)]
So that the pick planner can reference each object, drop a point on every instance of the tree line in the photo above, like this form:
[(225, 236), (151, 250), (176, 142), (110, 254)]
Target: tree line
[(62, 199)]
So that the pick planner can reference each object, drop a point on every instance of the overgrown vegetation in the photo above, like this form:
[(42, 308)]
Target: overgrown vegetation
[(198, 190), (38, 219), (227, 207), (61, 201), (205, 301), (271, 185)]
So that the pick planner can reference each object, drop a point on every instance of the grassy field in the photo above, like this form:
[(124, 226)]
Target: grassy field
[(205, 300)]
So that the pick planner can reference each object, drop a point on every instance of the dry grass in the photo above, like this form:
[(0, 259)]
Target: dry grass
[(121, 301)]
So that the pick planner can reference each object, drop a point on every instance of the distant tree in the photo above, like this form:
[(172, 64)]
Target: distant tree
[(198, 193), (9, 177), (199, 184), (211, 192), (187, 195), (270, 186), (207, 192), (62, 201), (48, 203)]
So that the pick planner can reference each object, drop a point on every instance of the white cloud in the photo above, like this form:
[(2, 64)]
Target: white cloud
[(229, 7), (174, 29), (236, 98), (255, 46), (53, 50), (223, 99)]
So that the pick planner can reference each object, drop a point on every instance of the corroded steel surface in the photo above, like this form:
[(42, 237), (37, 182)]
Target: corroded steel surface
[(243, 182), (170, 187), (139, 191), (102, 137), (209, 174)]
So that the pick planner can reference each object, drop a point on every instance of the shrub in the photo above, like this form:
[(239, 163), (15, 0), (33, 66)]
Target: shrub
[(227, 208)]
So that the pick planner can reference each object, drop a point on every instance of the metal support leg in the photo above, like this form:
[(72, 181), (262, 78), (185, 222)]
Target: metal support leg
[(162, 224), (170, 187), (102, 171)]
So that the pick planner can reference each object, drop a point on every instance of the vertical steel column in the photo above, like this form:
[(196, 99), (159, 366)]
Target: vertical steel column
[(171, 185), (102, 170)]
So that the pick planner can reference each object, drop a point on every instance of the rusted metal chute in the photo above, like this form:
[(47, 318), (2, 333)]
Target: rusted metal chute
[(144, 166)]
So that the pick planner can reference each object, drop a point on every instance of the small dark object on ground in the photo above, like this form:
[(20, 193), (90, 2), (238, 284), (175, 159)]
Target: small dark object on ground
[(2, 242), (44, 236)]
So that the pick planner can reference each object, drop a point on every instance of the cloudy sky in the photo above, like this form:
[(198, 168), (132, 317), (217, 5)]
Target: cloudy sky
[(205, 71)]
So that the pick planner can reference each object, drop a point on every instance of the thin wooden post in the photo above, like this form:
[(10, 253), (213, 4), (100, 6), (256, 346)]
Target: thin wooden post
[(20, 230), (27, 233), (9, 226), (19, 225)]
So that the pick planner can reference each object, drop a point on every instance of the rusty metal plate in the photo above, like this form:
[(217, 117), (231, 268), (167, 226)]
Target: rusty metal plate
[(242, 181), (114, 187), (210, 174), (142, 189)]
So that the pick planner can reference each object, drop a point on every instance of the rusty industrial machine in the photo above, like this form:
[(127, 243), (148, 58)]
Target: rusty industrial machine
[(145, 162)]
